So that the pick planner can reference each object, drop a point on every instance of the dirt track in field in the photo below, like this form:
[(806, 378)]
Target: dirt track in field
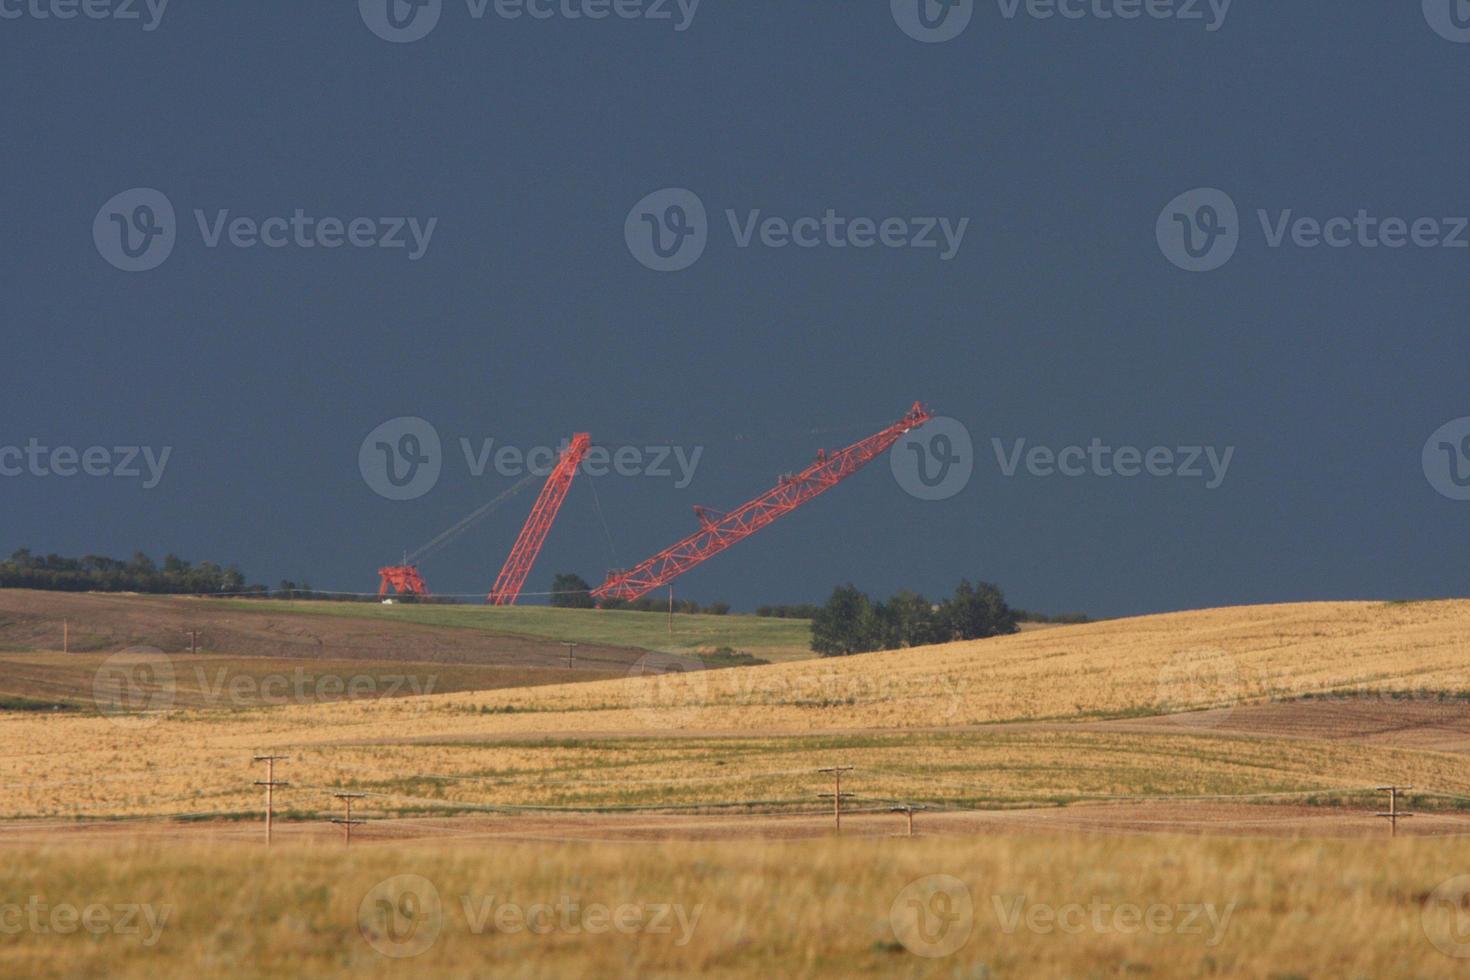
[(1427, 724), (1439, 725), (1129, 818)]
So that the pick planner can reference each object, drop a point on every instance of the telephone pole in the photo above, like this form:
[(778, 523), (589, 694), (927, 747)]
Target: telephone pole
[(571, 651), (348, 823), (909, 809), (836, 793), (1394, 815), (270, 784)]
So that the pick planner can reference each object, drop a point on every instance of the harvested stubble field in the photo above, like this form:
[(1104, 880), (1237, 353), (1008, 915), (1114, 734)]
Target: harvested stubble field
[(1015, 720), (1055, 763)]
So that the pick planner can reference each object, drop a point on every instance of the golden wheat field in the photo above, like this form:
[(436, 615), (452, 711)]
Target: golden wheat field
[(1019, 907)]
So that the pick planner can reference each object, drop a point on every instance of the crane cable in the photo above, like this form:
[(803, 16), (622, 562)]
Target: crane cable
[(468, 521)]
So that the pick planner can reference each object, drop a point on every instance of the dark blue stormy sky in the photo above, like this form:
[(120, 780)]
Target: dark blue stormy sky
[(1335, 373)]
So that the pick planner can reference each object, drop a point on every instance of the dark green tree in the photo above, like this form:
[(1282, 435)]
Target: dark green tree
[(846, 624), (976, 611), (569, 591), (909, 620)]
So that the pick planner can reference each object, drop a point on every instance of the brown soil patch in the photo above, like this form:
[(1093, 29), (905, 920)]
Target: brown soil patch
[(32, 620)]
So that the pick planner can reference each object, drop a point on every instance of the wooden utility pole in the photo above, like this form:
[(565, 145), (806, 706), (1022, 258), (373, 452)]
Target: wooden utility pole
[(671, 610), (836, 793), (65, 636), (348, 823), (270, 784), (909, 809), (1394, 814), (571, 651), (193, 641)]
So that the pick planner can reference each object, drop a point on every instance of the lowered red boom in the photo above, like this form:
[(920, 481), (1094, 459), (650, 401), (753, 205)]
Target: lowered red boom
[(720, 531)]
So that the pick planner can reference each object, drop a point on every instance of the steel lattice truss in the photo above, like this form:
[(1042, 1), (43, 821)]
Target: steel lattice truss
[(720, 531), (543, 513)]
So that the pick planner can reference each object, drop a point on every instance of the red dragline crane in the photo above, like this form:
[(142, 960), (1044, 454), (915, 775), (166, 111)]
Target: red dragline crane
[(528, 544), (719, 531)]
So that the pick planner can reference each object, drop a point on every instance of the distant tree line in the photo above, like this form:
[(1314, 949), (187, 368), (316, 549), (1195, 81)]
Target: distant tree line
[(173, 576), (809, 610), (851, 622), (805, 610), (98, 573), (569, 591), (1060, 619)]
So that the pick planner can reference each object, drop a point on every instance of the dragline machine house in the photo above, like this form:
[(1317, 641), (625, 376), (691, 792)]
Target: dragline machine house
[(403, 579), (719, 531)]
